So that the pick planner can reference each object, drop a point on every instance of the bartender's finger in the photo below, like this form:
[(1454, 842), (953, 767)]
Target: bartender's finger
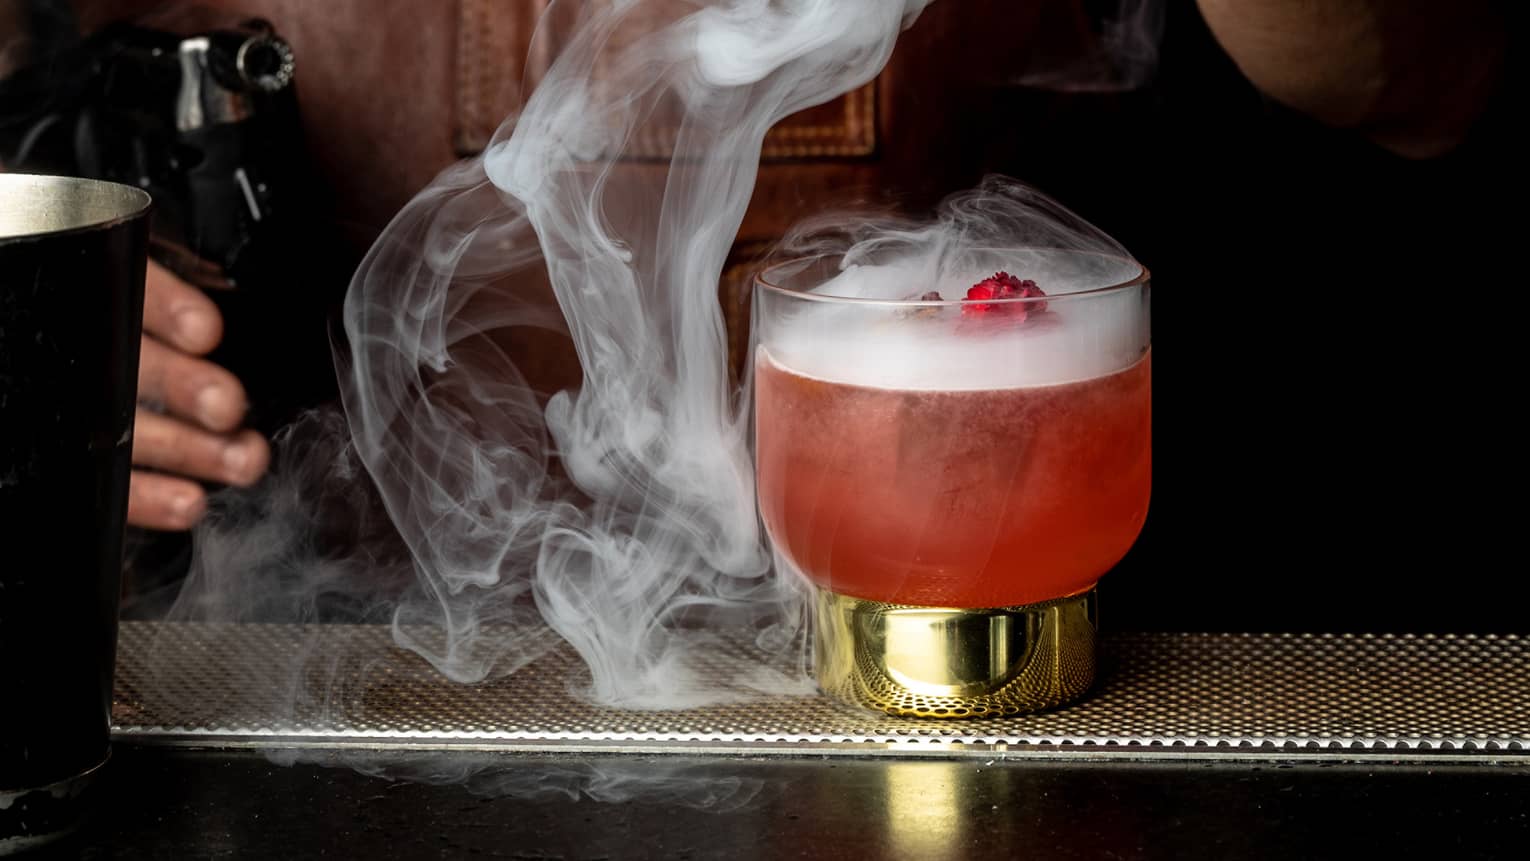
[(171, 445), (164, 502), (189, 387), (179, 314)]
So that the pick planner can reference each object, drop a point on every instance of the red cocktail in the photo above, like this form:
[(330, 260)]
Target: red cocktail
[(953, 478), (953, 498)]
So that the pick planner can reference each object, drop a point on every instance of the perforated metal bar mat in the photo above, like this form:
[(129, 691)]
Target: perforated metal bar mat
[(1182, 695)]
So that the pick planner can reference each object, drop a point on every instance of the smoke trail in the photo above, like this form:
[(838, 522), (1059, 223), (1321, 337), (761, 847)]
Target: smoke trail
[(542, 443), (1001, 225), (1093, 45), (618, 514)]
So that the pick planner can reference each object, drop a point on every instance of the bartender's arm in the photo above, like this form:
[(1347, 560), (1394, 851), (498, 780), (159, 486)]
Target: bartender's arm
[(187, 428), (1412, 75)]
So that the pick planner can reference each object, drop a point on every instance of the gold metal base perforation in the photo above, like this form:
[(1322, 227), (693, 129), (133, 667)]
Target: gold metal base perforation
[(947, 662)]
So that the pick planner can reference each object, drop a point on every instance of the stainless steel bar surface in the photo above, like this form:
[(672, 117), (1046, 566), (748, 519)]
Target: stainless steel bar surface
[(1396, 698)]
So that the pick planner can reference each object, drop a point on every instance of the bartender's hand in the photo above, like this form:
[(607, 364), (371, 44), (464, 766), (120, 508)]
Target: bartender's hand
[(189, 413)]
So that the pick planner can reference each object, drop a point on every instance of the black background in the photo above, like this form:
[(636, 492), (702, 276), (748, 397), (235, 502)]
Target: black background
[(1337, 353)]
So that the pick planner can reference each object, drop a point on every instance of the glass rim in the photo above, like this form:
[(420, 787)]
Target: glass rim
[(47, 206), (762, 279)]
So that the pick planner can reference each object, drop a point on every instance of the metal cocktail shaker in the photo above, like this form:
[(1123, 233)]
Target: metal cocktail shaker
[(72, 258)]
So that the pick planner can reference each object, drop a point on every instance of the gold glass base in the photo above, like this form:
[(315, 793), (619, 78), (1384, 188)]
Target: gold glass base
[(953, 663)]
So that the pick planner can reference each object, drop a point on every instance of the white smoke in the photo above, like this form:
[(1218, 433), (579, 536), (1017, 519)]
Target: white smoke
[(542, 444), (1098, 46), (999, 226), (617, 514)]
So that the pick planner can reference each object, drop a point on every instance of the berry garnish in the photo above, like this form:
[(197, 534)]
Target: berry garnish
[(1003, 286)]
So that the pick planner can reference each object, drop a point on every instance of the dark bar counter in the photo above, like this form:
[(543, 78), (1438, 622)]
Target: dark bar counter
[(169, 802)]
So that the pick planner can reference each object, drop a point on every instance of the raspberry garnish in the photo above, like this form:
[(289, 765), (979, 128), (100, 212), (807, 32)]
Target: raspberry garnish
[(1003, 286)]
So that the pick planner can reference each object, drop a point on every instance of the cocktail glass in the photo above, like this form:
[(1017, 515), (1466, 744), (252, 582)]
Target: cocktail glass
[(952, 477)]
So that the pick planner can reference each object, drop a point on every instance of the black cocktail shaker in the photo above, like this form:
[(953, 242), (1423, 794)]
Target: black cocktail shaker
[(72, 256)]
